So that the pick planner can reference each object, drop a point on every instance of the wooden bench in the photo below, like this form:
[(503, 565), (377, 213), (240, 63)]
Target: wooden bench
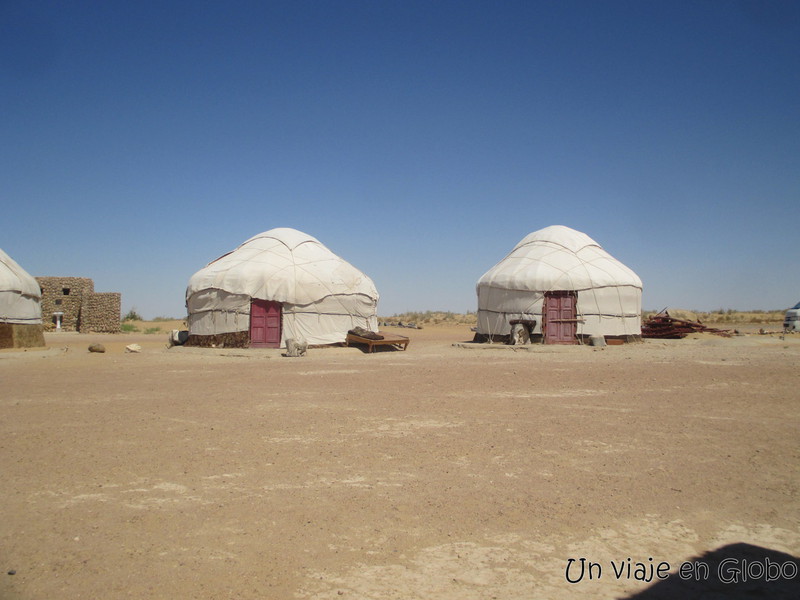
[(389, 339)]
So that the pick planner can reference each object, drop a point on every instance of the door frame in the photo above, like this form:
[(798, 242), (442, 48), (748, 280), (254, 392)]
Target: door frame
[(269, 307), (554, 335)]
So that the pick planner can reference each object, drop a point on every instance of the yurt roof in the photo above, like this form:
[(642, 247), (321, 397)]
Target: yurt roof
[(284, 265), (14, 278), (558, 258), (20, 294)]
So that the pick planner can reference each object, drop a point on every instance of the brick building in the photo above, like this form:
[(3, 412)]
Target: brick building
[(71, 304)]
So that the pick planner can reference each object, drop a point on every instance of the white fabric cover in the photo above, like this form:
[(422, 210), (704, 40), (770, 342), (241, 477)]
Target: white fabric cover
[(558, 258), (322, 296), (20, 294)]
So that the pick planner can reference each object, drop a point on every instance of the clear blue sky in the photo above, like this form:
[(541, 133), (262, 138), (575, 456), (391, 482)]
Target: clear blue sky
[(419, 140)]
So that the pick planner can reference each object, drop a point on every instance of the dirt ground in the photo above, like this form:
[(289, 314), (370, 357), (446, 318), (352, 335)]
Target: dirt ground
[(441, 472)]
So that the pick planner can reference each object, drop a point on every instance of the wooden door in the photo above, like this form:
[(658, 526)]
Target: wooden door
[(560, 318), (265, 324)]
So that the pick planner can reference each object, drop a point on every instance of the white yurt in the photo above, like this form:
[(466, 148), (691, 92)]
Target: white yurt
[(20, 306), (563, 288), (278, 285)]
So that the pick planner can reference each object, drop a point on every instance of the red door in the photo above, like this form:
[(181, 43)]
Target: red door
[(560, 318), (265, 324)]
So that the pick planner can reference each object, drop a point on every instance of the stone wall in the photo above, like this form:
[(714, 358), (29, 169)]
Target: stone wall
[(101, 313), (83, 309)]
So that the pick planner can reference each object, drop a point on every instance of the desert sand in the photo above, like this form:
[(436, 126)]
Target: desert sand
[(440, 472)]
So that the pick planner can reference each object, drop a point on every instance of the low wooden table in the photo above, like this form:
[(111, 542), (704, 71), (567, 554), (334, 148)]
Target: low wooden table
[(389, 339)]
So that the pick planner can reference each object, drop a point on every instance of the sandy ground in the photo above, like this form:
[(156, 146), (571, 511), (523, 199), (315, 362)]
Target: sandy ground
[(439, 472)]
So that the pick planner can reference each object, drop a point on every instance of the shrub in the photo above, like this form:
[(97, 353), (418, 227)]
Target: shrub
[(433, 316), (132, 316)]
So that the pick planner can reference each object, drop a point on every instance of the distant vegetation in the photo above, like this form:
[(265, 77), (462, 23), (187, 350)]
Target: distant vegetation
[(132, 315), (432, 317), (133, 323), (157, 325), (723, 315)]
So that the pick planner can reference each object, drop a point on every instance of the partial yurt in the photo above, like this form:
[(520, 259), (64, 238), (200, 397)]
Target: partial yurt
[(559, 286), (278, 285), (20, 306)]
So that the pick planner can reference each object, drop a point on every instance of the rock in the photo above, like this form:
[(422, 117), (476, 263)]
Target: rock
[(133, 348), (97, 348), (519, 335), (597, 340), (295, 347), (178, 337)]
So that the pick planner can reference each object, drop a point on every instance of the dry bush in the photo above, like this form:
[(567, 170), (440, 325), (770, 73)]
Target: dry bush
[(752, 316), (154, 326), (729, 316), (723, 315), (432, 317)]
